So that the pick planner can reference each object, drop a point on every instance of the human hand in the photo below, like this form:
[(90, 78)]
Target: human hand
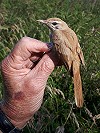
[(24, 80)]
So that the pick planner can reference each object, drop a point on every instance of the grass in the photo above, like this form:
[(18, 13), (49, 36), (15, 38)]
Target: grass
[(58, 113)]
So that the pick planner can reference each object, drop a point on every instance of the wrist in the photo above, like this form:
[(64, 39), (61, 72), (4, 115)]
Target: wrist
[(6, 126), (9, 114), (19, 112)]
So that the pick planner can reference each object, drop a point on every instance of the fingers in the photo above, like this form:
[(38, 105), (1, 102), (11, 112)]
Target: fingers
[(45, 66), (27, 46), (36, 56)]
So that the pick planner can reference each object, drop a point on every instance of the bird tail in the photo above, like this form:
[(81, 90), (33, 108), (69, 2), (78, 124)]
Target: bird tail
[(77, 84)]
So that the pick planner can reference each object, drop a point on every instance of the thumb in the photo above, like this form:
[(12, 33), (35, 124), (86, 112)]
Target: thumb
[(45, 66)]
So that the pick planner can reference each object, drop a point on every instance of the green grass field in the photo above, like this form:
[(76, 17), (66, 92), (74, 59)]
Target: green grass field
[(58, 113)]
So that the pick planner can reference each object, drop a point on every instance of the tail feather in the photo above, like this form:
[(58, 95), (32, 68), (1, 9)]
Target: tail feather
[(77, 84)]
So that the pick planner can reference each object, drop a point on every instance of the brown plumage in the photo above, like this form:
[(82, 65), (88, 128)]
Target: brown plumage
[(69, 50)]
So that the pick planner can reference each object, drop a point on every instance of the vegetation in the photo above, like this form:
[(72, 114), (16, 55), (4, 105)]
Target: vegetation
[(58, 113)]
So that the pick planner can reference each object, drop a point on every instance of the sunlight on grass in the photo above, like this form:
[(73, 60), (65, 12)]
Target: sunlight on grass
[(58, 113)]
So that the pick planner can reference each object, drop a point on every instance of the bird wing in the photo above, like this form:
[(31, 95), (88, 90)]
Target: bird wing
[(80, 54), (63, 48), (75, 46)]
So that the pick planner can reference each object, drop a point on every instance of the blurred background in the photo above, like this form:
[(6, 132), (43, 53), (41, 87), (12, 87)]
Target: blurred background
[(59, 113)]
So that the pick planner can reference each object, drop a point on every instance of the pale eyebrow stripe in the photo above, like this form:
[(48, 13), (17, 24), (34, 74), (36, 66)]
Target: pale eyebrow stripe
[(57, 22)]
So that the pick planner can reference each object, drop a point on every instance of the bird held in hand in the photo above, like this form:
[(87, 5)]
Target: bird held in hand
[(68, 48)]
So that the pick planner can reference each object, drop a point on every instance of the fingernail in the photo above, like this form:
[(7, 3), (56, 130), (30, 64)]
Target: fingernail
[(50, 45)]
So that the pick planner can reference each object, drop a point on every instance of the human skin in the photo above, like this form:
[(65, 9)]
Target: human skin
[(25, 80)]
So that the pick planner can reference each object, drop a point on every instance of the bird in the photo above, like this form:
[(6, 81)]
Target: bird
[(69, 51)]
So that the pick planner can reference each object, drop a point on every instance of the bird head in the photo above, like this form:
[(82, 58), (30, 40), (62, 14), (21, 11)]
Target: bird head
[(54, 24)]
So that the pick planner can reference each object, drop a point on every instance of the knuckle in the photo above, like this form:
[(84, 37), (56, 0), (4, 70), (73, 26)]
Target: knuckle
[(24, 40)]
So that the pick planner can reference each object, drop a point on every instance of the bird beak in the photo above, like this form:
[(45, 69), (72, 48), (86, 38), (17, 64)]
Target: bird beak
[(42, 21)]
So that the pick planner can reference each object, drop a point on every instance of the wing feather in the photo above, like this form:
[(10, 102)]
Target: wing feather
[(72, 38)]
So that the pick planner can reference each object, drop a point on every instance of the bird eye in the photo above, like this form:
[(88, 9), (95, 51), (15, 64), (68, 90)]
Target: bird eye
[(54, 23)]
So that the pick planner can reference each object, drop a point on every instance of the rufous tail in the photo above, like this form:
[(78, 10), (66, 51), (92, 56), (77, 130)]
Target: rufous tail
[(77, 84)]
